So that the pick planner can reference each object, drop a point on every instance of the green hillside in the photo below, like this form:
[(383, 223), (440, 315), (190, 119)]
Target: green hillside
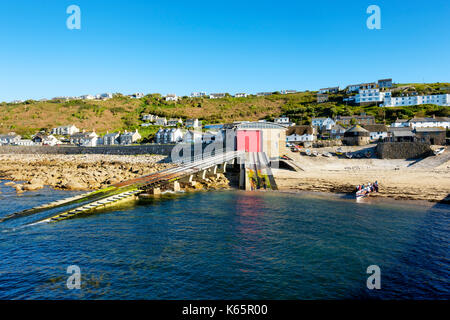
[(124, 113)]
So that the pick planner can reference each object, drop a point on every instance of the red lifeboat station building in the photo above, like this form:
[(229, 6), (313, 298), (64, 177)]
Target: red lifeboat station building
[(261, 136)]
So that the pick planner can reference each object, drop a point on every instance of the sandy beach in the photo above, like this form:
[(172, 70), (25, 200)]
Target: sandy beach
[(427, 179)]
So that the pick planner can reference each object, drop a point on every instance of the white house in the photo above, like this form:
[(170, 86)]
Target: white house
[(323, 123), (217, 95), (105, 96), (192, 123), (433, 122), (161, 122), (261, 94), (131, 137), (329, 90), (376, 131), (43, 139), (412, 100), (192, 137), (149, 117), (240, 95), (110, 139), (400, 123), (85, 139), (65, 130), (10, 138), (87, 97), (171, 97), (369, 96), (173, 135), (198, 94), (25, 142), (174, 122), (136, 95), (300, 134), (288, 91), (356, 87), (282, 120)]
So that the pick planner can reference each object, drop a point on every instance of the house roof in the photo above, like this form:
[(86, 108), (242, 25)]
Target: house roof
[(434, 129), (356, 131), (375, 127), (258, 125), (299, 130), (112, 134)]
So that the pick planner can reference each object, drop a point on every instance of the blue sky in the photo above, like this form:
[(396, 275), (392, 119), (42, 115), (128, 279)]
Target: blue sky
[(216, 46)]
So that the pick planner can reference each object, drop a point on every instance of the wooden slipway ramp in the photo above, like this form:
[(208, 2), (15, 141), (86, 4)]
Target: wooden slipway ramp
[(122, 191)]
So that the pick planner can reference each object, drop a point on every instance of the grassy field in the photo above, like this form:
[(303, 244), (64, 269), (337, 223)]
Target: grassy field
[(123, 113)]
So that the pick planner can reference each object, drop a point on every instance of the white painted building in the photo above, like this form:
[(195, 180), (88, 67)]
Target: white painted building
[(25, 142), (85, 139), (198, 94), (300, 134), (433, 122), (173, 135), (171, 97), (400, 123), (369, 96), (192, 137), (87, 97), (412, 100), (65, 130), (217, 95), (192, 123), (240, 95), (329, 90), (161, 122), (288, 91), (323, 123)]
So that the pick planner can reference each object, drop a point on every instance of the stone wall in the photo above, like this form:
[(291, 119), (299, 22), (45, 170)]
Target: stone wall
[(164, 149), (403, 150)]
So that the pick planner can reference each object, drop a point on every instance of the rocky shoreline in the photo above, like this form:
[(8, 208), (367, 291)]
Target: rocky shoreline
[(75, 172), (86, 172)]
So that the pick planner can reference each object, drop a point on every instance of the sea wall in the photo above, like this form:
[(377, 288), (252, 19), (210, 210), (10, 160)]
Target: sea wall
[(161, 149), (403, 150)]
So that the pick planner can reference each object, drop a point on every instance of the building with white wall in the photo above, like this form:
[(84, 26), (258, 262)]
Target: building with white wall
[(367, 96), (198, 94), (413, 100)]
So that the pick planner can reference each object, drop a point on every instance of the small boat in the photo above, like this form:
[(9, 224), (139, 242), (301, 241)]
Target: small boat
[(368, 154), (315, 154), (308, 152), (364, 192), (439, 151), (294, 149), (327, 154), (358, 155), (339, 151), (348, 155)]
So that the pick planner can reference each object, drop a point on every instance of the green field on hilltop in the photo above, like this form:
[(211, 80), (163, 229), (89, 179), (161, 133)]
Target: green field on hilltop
[(123, 113)]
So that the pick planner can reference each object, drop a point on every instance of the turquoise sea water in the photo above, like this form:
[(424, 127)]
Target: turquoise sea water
[(228, 245)]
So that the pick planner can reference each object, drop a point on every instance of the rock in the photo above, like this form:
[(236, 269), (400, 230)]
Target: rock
[(32, 186), (74, 185)]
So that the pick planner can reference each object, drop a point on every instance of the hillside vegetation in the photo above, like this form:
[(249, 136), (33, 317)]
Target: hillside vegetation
[(123, 113)]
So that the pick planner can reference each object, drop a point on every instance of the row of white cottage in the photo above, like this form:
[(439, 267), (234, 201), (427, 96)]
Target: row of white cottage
[(177, 135)]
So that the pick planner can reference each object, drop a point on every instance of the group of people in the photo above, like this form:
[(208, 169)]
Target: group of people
[(370, 187)]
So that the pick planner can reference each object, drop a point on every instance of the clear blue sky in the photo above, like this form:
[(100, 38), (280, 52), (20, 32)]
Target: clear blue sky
[(216, 46)]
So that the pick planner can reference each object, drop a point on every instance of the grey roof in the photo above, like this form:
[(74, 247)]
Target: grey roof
[(434, 129), (258, 125)]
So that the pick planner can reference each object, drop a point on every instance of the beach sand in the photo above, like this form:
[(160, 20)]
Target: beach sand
[(427, 179)]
